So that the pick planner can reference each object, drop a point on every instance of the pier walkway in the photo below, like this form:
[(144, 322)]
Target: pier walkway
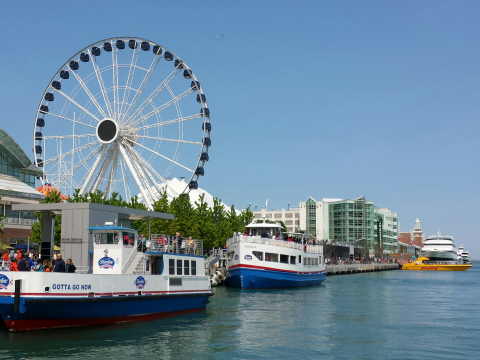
[(359, 268)]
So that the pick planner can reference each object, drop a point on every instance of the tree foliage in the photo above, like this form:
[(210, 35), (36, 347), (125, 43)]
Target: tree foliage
[(212, 224)]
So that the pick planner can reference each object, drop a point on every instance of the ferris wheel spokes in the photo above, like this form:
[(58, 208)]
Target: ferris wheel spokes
[(101, 84), (136, 107)]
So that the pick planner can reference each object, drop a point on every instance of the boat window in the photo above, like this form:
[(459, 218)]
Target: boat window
[(179, 267), (128, 239), (299, 259), (194, 267), (292, 260), (284, 259), (258, 255), (157, 265), (175, 281), (186, 267), (171, 266), (271, 257), (106, 238)]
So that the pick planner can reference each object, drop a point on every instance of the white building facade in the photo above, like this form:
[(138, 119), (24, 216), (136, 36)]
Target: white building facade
[(290, 217)]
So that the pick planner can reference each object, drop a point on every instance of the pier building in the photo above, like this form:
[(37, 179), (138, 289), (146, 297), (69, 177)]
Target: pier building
[(17, 186), (386, 230), (353, 224), (290, 217)]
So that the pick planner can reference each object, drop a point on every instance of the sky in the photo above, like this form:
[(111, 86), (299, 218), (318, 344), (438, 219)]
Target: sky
[(334, 99)]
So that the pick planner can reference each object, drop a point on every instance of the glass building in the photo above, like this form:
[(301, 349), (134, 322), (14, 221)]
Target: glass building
[(352, 222), (17, 182)]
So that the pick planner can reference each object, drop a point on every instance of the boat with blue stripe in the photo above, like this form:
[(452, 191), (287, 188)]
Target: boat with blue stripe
[(265, 258), (125, 284)]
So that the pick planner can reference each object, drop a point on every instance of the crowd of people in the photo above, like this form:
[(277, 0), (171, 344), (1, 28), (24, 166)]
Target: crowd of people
[(358, 260), (20, 261), (176, 243)]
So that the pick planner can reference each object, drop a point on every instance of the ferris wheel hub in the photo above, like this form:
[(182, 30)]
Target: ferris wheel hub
[(107, 131)]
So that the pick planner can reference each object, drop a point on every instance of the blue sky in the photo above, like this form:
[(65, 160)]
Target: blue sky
[(308, 98)]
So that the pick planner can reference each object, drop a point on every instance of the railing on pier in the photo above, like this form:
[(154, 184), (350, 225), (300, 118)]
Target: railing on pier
[(309, 248), (170, 244)]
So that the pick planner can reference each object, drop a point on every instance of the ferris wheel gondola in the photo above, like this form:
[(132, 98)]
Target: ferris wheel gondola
[(122, 115)]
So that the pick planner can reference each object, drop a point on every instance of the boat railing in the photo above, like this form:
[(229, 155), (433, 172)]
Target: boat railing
[(308, 248), (170, 244)]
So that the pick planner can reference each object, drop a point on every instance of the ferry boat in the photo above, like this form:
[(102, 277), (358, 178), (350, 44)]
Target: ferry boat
[(264, 258), (125, 284), (439, 248), (426, 264)]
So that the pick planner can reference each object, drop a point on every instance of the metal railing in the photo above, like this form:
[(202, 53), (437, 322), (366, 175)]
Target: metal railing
[(18, 221), (170, 244), (314, 249)]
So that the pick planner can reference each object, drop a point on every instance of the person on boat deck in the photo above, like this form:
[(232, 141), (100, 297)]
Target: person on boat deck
[(178, 241), (23, 265), (13, 265), (189, 244), (59, 264), (47, 266), (70, 267)]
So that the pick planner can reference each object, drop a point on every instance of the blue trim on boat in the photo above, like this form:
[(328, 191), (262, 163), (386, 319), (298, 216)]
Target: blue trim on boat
[(247, 278), (47, 308)]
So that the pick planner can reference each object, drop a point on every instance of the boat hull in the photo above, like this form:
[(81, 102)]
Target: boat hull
[(435, 267), (256, 278), (47, 312)]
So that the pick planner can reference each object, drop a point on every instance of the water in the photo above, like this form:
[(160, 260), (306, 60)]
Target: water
[(386, 315)]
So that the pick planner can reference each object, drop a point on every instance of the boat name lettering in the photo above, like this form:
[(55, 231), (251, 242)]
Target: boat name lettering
[(71, 287)]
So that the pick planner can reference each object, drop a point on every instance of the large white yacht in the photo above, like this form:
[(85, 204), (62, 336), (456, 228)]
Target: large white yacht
[(439, 247), (463, 255)]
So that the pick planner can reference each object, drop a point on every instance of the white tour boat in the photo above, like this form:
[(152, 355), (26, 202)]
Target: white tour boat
[(125, 285), (264, 258)]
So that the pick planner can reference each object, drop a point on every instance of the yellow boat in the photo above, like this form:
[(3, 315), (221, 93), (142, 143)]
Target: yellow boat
[(423, 263)]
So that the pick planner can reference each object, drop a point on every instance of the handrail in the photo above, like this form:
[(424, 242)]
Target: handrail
[(170, 244), (315, 249), (133, 256)]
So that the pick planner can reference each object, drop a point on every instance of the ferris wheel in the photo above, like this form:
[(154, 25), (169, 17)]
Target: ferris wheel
[(122, 115)]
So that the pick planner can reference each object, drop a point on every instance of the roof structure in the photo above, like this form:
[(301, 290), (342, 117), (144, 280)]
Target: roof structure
[(11, 186), (17, 154), (124, 212)]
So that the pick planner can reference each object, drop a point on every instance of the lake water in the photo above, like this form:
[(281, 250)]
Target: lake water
[(384, 315)]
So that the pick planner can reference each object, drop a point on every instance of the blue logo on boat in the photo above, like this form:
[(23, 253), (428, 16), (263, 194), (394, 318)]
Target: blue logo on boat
[(140, 282), (4, 281), (106, 262)]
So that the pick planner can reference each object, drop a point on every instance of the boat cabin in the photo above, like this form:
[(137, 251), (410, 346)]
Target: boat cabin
[(113, 248), (264, 230)]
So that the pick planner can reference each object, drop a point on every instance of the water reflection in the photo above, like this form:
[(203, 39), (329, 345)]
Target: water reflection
[(390, 315)]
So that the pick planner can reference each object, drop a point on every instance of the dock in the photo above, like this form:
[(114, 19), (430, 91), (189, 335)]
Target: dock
[(344, 269)]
